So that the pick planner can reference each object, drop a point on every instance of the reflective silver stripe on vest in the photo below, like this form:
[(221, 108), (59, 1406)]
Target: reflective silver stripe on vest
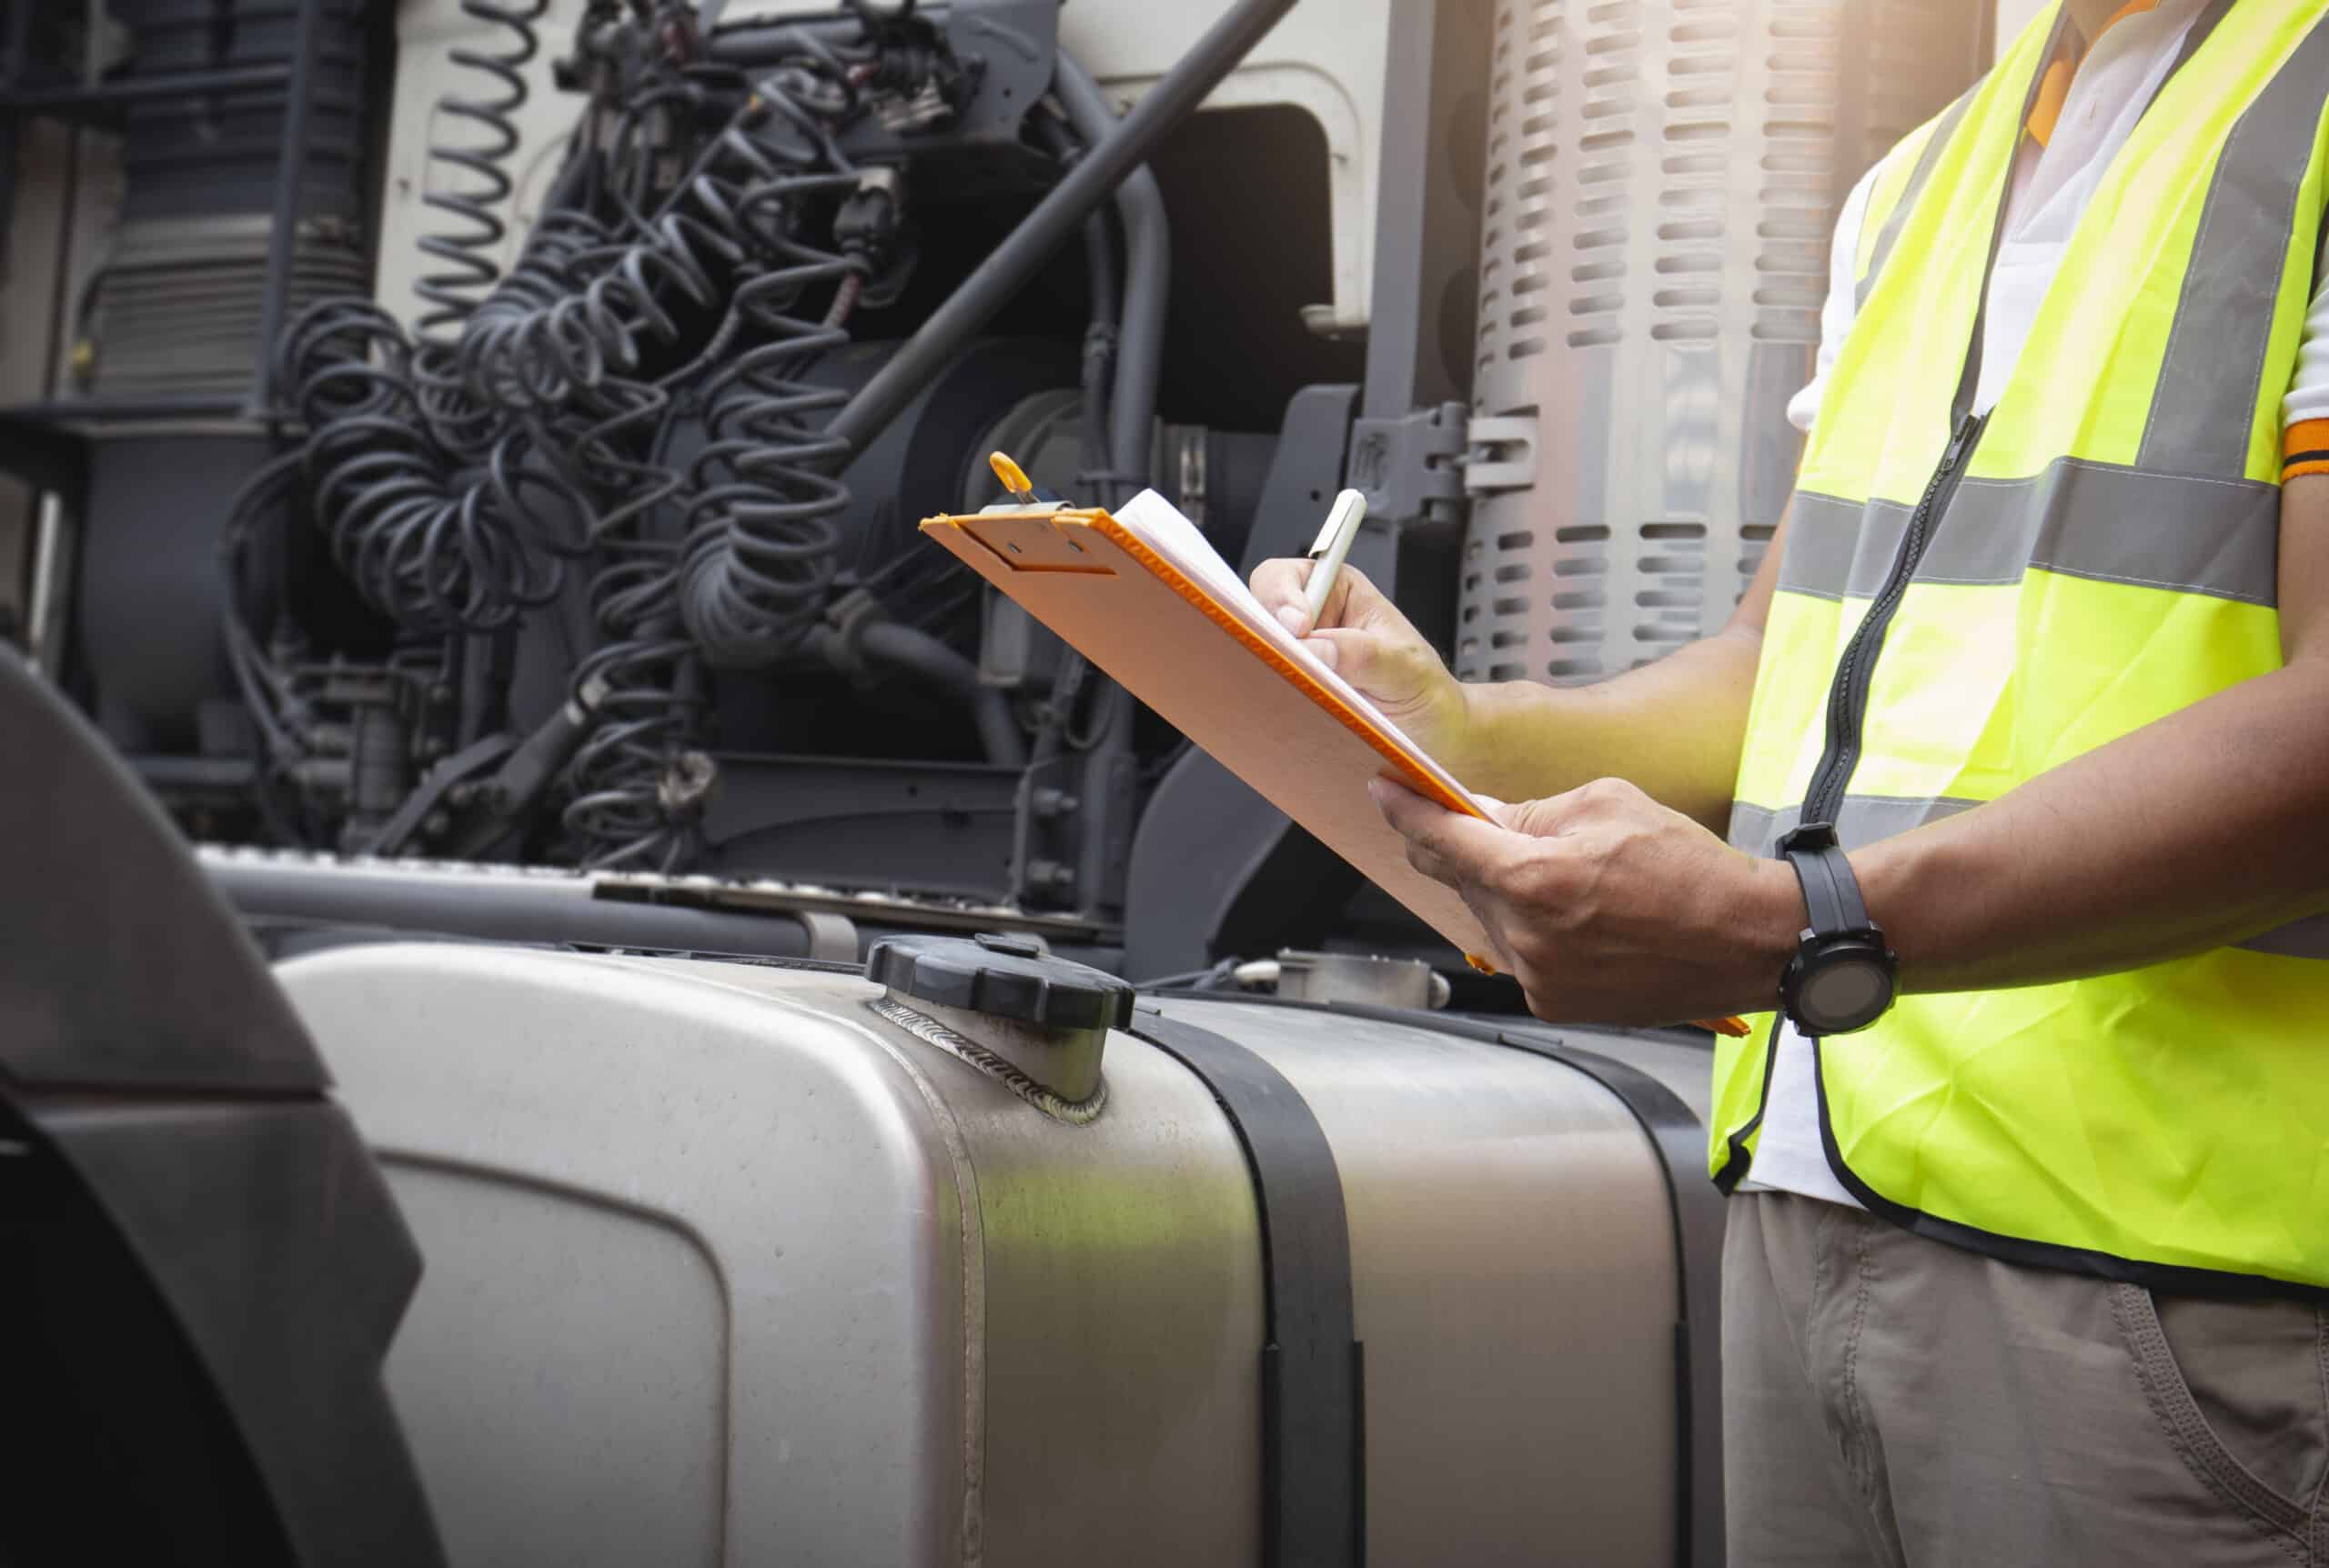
[(1864, 818), (1926, 158), (2175, 531), (1836, 547), (1861, 819), (2209, 382)]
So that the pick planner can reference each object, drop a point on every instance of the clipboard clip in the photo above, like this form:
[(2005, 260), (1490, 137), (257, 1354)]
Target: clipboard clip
[(1026, 495)]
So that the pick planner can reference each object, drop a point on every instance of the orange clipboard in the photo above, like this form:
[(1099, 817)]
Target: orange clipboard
[(1162, 637)]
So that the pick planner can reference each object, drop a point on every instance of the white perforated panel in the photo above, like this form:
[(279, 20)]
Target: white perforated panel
[(1662, 180)]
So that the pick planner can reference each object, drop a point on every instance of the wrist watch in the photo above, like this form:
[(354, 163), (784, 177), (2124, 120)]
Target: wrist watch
[(1842, 976)]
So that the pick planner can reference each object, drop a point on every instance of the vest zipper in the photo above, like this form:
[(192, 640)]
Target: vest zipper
[(1847, 694)]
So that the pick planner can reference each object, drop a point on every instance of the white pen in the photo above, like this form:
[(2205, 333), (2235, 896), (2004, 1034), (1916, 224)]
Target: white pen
[(1333, 548)]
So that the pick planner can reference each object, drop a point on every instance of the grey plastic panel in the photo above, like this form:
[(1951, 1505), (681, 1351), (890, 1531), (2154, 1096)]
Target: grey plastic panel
[(125, 972), (1662, 181)]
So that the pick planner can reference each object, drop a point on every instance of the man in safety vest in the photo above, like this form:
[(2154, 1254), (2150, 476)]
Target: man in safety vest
[(2030, 1246)]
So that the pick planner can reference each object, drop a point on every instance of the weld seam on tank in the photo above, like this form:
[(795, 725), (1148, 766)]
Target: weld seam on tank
[(929, 1031), (970, 1215)]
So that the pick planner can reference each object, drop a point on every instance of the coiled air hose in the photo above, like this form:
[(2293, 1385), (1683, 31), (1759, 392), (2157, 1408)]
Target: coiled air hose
[(434, 550), (473, 200), (468, 250)]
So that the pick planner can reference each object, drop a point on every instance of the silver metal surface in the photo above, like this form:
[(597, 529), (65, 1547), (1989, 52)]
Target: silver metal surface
[(54, 541), (629, 1186), (722, 1267), (1356, 977), (1662, 180), (174, 306), (353, 872), (1057, 1071), (1514, 1278), (1120, 1286)]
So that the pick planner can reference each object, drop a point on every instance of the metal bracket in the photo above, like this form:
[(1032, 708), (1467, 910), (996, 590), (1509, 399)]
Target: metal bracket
[(1412, 467), (1502, 454)]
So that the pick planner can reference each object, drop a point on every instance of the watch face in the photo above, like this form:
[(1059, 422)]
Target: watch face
[(1844, 991)]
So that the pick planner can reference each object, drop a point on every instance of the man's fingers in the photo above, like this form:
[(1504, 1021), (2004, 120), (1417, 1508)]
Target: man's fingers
[(1284, 586), (1391, 671), (1456, 850), (1476, 900), (1462, 875), (1347, 600), (1556, 815), (1543, 818), (1281, 585), (1359, 657), (1464, 847), (1432, 865)]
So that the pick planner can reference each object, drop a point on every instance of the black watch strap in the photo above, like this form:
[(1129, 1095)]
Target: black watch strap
[(1832, 898)]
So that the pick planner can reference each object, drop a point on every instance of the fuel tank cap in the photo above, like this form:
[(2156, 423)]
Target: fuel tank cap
[(1002, 977)]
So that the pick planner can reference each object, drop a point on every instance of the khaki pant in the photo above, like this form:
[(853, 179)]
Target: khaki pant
[(1892, 1401)]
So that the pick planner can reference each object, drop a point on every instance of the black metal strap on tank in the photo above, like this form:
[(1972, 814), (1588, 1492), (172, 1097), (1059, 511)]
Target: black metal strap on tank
[(1314, 1491), (1697, 1205)]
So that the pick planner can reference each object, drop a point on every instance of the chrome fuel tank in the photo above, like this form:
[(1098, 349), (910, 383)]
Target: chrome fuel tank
[(735, 1264)]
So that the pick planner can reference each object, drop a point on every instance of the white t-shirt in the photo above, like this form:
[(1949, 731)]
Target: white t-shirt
[(2052, 185)]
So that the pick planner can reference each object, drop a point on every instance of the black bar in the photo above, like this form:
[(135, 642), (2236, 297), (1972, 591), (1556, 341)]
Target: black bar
[(107, 410), (1313, 1488), (525, 909), (290, 176), (1427, 233), (1010, 265), (745, 44), (7, 175), (46, 458), (20, 40), (147, 89)]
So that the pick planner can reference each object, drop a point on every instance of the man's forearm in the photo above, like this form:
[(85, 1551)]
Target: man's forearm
[(2201, 830), (1672, 729)]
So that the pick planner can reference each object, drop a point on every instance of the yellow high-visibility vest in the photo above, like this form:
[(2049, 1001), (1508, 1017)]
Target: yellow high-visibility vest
[(2101, 553)]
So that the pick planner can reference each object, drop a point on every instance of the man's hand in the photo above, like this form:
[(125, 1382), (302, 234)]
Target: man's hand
[(1363, 637), (1608, 908)]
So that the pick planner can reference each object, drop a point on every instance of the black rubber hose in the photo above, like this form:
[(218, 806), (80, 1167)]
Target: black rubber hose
[(1148, 278), (1100, 264), (920, 653), (912, 649), (1011, 265), (1095, 451)]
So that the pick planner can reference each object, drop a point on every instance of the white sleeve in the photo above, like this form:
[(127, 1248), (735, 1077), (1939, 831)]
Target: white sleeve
[(1836, 317), (2308, 395)]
